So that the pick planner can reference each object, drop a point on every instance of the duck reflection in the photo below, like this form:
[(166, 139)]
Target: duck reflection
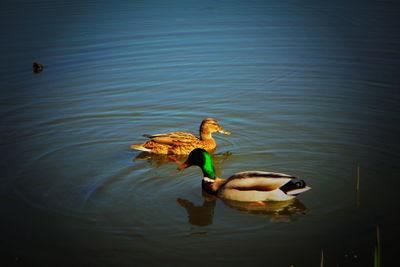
[(200, 215), (158, 160), (278, 211)]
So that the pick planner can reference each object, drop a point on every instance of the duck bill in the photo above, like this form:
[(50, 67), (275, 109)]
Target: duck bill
[(183, 166), (224, 132)]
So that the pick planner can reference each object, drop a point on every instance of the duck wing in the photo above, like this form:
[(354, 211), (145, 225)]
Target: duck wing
[(257, 180), (261, 174), (173, 138)]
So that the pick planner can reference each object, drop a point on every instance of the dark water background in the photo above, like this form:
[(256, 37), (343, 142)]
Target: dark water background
[(308, 88)]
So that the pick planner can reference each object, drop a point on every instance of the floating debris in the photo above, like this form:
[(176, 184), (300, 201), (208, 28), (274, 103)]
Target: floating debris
[(37, 67)]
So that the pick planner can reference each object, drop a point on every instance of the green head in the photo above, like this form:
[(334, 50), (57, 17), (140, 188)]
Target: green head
[(200, 157)]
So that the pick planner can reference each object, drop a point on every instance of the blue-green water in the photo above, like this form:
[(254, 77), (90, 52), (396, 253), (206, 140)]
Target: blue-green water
[(308, 89)]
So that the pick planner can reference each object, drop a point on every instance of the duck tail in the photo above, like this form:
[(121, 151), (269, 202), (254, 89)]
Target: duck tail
[(140, 147), (294, 188)]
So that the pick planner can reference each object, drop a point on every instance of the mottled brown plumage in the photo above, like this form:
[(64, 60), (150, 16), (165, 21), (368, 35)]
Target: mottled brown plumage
[(181, 143)]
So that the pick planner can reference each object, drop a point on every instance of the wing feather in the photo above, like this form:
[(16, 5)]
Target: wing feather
[(173, 138), (257, 180), (256, 183), (261, 174)]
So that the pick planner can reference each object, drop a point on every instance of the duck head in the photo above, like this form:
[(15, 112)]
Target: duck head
[(200, 157), (211, 125)]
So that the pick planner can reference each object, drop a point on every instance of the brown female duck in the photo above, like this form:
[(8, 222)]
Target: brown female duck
[(181, 143)]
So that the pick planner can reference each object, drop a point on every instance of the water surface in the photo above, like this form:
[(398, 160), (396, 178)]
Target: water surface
[(307, 89)]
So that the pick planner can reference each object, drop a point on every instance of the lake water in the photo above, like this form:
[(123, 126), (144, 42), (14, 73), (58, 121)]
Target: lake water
[(308, 89)]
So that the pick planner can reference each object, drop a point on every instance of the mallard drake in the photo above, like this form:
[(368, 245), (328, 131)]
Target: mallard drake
[(247, 186), (181, 143)]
